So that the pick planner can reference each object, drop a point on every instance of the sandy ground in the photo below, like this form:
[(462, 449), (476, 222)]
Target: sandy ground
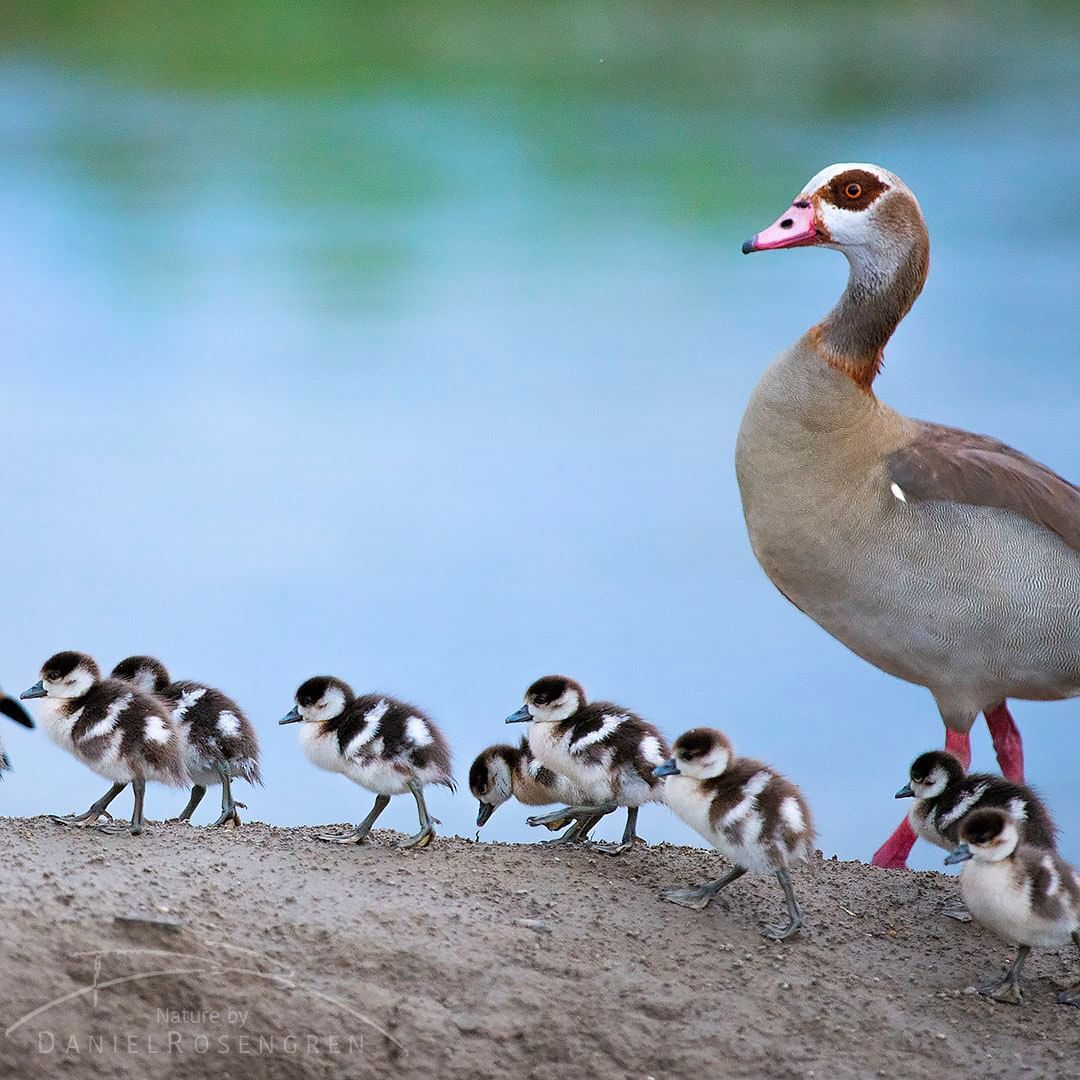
[(264, 954)]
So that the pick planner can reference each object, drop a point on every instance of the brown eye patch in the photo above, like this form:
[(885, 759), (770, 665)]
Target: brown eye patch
[(854, 189)]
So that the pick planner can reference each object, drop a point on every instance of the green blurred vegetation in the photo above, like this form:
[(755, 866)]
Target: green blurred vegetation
[(348, 119), (836, 54)]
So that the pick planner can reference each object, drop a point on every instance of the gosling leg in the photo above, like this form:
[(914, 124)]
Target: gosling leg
[(359, 834), (700, 896), (98, 810), (1008, 991), (229, 815), (427, 827), (795, 918)]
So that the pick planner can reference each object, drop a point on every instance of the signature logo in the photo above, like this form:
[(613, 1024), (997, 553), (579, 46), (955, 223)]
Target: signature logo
[(220, 960)]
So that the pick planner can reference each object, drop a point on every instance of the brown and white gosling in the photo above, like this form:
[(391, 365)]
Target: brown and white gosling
[(220, 743), (119, 732), (944, 794), (752, 815), (606, 751), (502, 772), (1028, 896), (377, 742)]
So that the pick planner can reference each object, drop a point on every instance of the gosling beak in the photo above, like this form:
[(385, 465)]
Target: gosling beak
[(794, 228), (519, 717), (905, 792), (291, 717), (37, 690), (961, 854), (667, 768), (486, 810), (10, 707)]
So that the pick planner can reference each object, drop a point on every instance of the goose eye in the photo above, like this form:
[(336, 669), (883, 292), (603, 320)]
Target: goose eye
[(853, 191)]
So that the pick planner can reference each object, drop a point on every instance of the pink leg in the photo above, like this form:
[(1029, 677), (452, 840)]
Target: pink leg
[(894, 852), (959, 746), (1008, 745), (892, 855)]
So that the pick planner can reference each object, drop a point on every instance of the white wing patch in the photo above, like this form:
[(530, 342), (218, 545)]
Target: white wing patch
[(108, 721), (228, 723), (608, 723), (187, 699), (963, 806), (898, 491), (369, 730), (417, 731), (651, 751), (792, 814), (754, 787), (157, 730), (1053, 878)]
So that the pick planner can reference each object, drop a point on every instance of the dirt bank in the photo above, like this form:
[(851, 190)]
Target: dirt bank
[(264, 954)]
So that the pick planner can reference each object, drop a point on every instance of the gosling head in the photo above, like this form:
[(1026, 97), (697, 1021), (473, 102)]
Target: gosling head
[(549, 700), (145, 673), (700, 753), (491, 779), (65, 675), (320, 699), (986, 835), (931, 774)]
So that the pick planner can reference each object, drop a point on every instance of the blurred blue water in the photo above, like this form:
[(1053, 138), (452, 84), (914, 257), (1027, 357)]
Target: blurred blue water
[(370, 387)]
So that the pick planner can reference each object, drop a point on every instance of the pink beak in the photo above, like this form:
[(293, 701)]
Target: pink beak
[(794, 228)]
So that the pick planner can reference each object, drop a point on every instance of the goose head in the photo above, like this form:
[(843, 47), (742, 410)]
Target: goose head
[(65, 675), (550, 700), (986, 835), (930, 775), (859, 209)]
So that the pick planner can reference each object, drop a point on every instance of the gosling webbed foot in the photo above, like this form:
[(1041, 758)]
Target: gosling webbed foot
[(782, 933), (955, 908), (569, 837), (420, 840), (230, 816), (1071, 996), (1007, 992), (556, 819), (85, 821), (119, 828), (357, 836), (602, 847), (697, 898), (552, 826)]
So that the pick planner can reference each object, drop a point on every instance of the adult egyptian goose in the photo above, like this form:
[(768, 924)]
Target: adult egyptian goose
[(945, 558)]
